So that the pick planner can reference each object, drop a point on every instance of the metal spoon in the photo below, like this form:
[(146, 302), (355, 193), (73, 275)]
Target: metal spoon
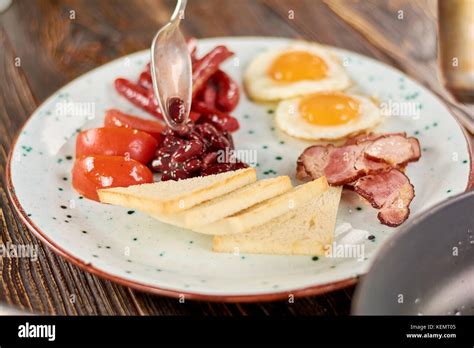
[(171, 71)]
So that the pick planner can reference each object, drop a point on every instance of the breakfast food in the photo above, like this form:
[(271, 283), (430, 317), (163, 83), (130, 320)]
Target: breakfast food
[(327, 115), (345, 164), (116, 118), (121, 141), (192, 152), (371, 164), (307, 230), (195, 153), (266, 211), (395, 150), (267, 216), (168, 197), (90, 173), (231, 203), (221, 197), (300, 69), (391, 192), (217, 207), (215, 94)]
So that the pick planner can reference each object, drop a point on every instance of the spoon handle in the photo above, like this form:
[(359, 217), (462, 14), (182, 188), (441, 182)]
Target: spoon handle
[(178, 13)]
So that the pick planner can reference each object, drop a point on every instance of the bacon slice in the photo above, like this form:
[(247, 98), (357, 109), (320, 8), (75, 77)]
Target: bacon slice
[(311, 163), (383, 139), (341, 166), (345, 164), (395, 150), (391, 192), (337, 164)]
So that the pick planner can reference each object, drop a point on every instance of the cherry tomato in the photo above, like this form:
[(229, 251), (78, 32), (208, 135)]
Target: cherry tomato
[(116, 118), (127, 142), (91, 173)]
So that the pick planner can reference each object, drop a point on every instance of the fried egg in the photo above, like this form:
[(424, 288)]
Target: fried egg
[(327, 115), (300, 69)]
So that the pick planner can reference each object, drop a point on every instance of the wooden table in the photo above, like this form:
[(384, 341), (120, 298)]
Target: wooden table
[(56, 41)]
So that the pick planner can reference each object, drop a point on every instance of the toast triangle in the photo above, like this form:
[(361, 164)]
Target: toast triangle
[(229, 204), (307, 230), (266, 210), (167, 197)]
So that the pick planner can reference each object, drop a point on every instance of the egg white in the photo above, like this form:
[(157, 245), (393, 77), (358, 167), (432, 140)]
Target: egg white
[(290, 121), (262, 87)]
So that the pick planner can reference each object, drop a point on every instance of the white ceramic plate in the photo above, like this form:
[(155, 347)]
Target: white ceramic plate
[(135, 250)]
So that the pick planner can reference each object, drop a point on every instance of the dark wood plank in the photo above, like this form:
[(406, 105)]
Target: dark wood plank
[(21, 278), (315, 21), (209, 18), (403, 30), (57, 45)]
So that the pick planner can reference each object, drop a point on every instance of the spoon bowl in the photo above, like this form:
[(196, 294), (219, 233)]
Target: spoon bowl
[(171, 71)]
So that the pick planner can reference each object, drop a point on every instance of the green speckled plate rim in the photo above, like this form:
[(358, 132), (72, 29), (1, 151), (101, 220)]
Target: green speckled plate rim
[(307, 291)]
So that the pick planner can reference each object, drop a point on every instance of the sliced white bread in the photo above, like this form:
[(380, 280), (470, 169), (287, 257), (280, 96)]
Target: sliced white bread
[(266, 210), (307, 230), (229, 204), (167, 197)]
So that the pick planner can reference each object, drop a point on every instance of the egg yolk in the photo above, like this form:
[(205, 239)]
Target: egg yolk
[(297, 66), (329, 109)]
